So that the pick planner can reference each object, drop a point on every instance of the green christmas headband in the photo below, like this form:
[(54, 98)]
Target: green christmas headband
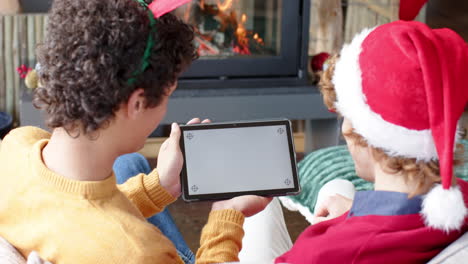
[(156, 9), (149, 45)]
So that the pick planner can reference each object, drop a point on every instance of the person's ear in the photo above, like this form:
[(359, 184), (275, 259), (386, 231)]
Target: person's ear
[(136, 103), (172, 88)]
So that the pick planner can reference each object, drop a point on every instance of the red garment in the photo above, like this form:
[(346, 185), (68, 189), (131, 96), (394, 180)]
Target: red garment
[(371, 239), (409, 9)]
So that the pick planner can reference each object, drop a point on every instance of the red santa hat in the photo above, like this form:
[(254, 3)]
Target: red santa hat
[(404, 86), (409, 9)]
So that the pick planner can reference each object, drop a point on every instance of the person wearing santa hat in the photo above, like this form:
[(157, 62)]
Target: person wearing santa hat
[(107, 71), (401, 88)]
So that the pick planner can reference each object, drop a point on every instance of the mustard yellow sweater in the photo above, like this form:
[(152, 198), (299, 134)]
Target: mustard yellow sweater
[(82, 222)]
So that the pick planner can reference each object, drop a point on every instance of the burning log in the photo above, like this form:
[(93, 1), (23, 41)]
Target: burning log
[(205, 48)]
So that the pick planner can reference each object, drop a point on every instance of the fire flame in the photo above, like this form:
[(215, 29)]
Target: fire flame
[(225, 12), (241, 33), (243, 18), (224, 6), (258, 39)]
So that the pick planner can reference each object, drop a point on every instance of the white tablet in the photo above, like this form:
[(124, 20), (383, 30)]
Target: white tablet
[(224, 160)]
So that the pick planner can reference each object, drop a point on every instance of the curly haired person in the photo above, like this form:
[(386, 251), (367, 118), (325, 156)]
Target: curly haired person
[(401, 89), (107, 70)]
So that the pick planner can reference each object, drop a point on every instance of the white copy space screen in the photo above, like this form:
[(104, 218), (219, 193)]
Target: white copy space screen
[(237, 159)]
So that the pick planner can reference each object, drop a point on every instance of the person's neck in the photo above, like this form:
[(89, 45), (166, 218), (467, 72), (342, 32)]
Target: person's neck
[(80, 158), (394, 182)]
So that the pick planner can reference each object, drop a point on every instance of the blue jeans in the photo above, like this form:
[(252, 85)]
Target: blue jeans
[(129, 165)]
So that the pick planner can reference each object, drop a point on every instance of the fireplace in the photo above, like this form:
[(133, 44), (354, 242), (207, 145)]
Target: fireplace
[(247, 43)]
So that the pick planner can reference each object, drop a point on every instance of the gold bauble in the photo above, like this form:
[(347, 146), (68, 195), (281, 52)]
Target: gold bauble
[(32, 80)]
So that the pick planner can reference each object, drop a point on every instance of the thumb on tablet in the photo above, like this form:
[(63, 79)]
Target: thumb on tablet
[(175, 133), (170, 162)]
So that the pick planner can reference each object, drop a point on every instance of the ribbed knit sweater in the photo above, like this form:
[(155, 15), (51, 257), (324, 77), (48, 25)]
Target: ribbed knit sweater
[(70, 221)]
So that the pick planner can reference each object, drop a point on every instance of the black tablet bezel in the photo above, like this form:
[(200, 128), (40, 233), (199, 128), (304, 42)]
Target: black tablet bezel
[(220, 196)]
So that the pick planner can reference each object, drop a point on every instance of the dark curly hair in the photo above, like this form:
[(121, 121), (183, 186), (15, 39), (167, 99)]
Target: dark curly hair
[(91, 50)]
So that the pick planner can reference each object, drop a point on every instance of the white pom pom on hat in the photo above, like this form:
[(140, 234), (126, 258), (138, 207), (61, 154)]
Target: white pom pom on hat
[(404, 87)]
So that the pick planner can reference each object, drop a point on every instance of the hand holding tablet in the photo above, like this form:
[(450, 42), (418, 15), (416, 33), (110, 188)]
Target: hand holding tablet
[(225, 160)]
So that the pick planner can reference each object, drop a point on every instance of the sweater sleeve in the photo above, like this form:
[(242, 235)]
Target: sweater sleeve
[(146, 193), (221, 239)]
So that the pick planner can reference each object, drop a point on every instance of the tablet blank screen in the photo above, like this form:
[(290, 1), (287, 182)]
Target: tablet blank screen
[(237, 159)]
